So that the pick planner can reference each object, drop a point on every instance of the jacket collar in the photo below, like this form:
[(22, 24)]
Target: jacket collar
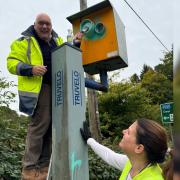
[(30, 29)]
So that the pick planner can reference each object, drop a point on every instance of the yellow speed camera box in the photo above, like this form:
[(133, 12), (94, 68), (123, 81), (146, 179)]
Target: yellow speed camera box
[(103, 45)]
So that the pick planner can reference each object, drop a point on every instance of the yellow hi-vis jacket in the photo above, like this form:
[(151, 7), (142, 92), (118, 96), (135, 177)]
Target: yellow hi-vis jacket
[(25, 52), (152, 172)]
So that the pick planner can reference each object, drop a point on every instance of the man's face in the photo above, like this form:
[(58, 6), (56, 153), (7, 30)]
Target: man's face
[(43, 27)]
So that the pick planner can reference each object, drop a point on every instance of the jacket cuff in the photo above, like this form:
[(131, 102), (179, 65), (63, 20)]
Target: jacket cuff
[(76, 43), (24, 69)]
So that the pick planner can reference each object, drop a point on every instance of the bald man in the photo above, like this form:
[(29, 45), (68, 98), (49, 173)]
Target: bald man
[(30, 59)]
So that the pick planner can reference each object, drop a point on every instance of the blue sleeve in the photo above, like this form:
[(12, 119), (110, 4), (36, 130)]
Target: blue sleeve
[(24, 69), (76, 43)]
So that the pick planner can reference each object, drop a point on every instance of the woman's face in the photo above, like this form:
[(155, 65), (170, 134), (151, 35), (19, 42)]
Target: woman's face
[(128, 142)]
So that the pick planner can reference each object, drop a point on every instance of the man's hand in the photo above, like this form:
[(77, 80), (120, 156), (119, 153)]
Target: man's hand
[(39, 70), (85, 132), (78, 36), (77, 39)]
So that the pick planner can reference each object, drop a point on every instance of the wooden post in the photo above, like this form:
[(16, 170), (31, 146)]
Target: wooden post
[(92, 100)]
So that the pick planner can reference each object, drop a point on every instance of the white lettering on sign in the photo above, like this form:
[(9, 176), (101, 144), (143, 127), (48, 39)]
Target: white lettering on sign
[(171, 117), (76, 88)]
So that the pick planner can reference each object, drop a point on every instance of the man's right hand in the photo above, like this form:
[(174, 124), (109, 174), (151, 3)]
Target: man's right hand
[(77, 39), (39, 70), (78, 36)]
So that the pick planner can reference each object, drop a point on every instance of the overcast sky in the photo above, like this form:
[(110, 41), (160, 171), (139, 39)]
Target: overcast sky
[(142, 47)]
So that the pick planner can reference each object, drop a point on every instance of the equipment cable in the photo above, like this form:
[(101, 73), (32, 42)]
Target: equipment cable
[(146, 25)]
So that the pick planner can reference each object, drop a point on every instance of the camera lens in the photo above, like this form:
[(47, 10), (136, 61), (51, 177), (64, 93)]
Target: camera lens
[(99, 28)]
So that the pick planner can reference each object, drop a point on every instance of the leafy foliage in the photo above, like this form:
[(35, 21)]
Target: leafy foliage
[(145, 69), (134, 78), (6, 95), (124, 103), (158, 86), (166, 67), (12, 133)]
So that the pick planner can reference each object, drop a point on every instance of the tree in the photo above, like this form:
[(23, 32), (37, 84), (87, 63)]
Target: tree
[(6, 96), (12, 135), (166, 67), (158, 86), (145, 69), (134, 78), (124, 103)]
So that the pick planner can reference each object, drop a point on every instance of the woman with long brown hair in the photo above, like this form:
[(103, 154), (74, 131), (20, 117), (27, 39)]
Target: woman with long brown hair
[(144, 144)]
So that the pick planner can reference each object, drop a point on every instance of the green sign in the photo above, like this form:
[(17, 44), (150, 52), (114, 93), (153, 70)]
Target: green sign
[(167, 112)]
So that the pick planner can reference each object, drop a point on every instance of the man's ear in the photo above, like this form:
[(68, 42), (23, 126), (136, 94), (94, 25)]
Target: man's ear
[(139, 149)]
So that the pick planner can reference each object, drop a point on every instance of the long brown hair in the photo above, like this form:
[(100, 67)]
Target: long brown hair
[(154, 138), (168, 167)]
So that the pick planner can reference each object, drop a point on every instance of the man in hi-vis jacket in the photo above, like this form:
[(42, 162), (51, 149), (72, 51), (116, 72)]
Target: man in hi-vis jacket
[(30, 59)]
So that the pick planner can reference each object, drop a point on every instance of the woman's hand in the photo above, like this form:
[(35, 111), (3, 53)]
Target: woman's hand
[(85, 132)]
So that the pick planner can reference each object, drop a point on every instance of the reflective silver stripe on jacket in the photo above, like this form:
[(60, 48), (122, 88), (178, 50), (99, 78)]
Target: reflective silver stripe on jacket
[(28, 53), (27, 102), (18, 67), (28, 94)]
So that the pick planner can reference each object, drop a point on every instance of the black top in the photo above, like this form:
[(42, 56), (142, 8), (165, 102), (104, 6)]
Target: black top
[(46, 49)]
